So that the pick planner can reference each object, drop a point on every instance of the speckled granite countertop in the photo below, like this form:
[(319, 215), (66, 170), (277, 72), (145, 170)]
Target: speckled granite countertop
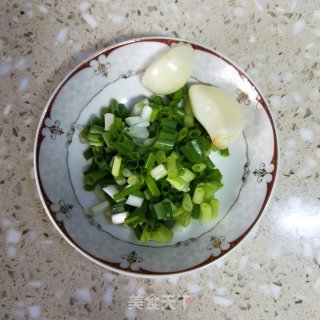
[(275, 274)]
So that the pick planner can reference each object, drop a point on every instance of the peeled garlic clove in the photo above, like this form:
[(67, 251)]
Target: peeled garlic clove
[(171, 71), (218, 112)]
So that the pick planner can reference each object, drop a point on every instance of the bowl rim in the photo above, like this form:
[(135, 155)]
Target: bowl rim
[(144, 273)]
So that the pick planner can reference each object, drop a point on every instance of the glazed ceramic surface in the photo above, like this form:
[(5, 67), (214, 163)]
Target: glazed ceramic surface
[(114, 73)]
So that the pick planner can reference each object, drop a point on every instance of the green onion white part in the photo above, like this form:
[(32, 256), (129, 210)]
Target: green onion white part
[(143, 124), (134, 201), (108, 121), (111, 191), (146, 113), (159, 172), (138, 132), (137, 108), (131, 121), (119, 218)]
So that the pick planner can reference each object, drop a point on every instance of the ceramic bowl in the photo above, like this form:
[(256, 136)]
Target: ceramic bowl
[(249, 173)]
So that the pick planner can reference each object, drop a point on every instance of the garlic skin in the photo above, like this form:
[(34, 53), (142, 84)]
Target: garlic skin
[(218, 112), (171, 71)]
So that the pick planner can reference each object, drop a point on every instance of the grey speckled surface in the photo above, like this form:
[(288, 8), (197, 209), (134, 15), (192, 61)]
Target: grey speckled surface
[(275, 274)]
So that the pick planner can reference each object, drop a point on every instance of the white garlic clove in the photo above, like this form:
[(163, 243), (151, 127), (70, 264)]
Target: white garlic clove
[(218, 112), (171, 71)]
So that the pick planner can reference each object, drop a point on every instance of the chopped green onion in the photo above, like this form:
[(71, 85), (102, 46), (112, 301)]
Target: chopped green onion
[(93, 177), (205, 212), (136, 217), (198, 167), (146, 113), (188, 121), (194, 134), (100, 193), (114, 105), (184, 218), (162, 210), (195, 211), (117, 207), (214, 148), (116, 166), (192, 151), (95, 120), (125, 192), (161, 157), (179, 184), (210, 189), (151, 170), (151, 161), (146, 234), (123, 144), (186, 175), (214, 208), (119, 218), (131, 121), (99, 208), (167, 135), (96, 129), (187, 202), (225, 152), (159, 172), (158, 100), (107, 180), (205, 143), (126, 172), (138, 193), (172, 166), (187, 107), (108, 214), (121, 181), (135, 155), (161, 234), (173, 206), (198, 195), (154, 114), (111, 190), (164, 144), (134, 201), (108, 121), (136, 111), (175, 155), (182, 134), (135, 179), (172, 124), (178, 113), (147, 194), (88, 154), (138, 132), (94, 140), (107, 137), (152, 186), (98, 154), (178, 212)]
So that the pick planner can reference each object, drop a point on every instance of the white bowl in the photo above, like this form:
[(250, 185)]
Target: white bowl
[(249, 173)]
